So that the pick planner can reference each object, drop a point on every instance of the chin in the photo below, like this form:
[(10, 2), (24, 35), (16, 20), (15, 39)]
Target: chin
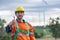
[(19, 18)]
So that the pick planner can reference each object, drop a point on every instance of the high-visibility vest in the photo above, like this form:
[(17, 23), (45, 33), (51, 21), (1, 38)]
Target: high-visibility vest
[(19, 30)]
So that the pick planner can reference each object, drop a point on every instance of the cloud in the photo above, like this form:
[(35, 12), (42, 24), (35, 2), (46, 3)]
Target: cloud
[(34, 9), (30, 5), (5, 12), (53, 13), (35, 18), (8, 16), (52, 2)]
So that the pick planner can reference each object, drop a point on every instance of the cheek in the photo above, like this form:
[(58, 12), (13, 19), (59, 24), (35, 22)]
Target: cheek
[(23, 14)]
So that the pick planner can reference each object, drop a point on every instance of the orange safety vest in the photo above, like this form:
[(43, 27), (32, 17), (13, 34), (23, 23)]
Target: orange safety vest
[(22, 35)]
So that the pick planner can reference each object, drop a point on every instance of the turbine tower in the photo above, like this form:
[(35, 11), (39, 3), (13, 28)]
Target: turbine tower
[(46, 4)]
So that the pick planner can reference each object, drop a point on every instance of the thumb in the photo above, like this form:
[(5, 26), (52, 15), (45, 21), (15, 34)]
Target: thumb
[(14, 18)]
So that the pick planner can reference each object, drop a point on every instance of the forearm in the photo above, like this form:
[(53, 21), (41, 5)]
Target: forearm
[(32, 37)]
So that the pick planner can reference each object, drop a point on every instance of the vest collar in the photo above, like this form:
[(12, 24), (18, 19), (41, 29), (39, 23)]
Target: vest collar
[(20, 21)]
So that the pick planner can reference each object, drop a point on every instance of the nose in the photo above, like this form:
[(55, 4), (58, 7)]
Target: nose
[(19, 13)]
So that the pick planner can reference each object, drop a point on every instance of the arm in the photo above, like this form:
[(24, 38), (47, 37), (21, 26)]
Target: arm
[(9, 26), (32, 37)]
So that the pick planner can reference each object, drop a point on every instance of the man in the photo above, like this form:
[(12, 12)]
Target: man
[(19, 28)]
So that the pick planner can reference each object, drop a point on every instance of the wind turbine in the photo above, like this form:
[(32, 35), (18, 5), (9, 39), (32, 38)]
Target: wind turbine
[(45, 2)]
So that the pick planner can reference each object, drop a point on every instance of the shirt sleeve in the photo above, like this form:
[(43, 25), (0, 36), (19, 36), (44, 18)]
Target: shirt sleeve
[(8, 29), (32, 37)]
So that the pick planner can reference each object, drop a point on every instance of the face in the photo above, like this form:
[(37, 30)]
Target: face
[(19, 14)]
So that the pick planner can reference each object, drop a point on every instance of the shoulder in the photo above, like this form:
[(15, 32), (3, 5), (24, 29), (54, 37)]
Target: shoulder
[(31, 27), (28, 23)]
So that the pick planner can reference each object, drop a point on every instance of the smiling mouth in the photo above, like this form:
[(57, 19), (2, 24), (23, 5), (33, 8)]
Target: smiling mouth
[(19, 16)]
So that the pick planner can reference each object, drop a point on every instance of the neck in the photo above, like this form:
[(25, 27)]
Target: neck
[(20, 20)]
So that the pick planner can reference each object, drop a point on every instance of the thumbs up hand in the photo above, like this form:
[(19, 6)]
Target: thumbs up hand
[(12, 22)]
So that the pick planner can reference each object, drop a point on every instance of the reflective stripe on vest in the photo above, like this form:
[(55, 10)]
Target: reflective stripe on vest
[(18, 34), (22, 35), (31, 32)]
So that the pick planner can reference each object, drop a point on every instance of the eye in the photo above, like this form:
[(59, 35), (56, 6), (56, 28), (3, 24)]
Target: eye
[(19, 12)]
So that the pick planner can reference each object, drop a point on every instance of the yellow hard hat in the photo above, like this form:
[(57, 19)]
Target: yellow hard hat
[(19, 8)]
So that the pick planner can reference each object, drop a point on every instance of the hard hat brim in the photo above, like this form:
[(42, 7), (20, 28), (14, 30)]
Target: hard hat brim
[(19, 11)]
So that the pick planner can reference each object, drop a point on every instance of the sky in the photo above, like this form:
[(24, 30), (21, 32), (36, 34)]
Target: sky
[(35, 10)]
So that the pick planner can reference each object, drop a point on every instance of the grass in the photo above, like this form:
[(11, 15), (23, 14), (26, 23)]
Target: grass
[(47, 39)]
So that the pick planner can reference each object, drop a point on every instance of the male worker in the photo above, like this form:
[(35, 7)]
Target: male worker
[(19, 28)]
